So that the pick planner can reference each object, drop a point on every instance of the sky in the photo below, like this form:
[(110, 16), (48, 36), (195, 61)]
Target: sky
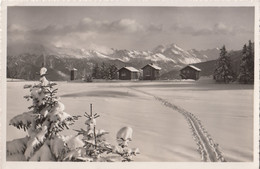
[(135, 28)]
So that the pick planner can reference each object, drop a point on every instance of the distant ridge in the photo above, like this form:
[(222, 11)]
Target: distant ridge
[(61, 60)]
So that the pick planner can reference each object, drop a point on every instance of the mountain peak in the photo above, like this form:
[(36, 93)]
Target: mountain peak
[(169, 47), (159, 49), (172, 45)]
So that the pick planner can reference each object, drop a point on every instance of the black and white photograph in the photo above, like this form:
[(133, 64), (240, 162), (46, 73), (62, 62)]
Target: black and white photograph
[(130, 84)]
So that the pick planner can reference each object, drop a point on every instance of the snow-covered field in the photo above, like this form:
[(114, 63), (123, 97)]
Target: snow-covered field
[(161, 113)]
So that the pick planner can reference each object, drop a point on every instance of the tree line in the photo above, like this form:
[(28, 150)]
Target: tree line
[(223, 69), (104, 71)]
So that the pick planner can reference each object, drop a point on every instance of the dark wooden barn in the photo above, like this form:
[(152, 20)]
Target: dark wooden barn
[(128, 73), (151, 72), (190, 72)]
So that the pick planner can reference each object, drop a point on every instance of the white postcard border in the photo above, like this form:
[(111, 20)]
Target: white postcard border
[(165, 165)]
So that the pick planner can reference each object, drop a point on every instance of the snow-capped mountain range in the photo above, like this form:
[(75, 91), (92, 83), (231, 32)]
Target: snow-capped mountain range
[(162, 53), (29, 57)]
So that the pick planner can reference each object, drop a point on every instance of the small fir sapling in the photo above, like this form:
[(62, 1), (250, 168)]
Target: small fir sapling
[(97, 149)]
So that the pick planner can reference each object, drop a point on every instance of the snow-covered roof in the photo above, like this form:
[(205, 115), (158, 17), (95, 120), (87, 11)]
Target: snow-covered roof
[(153, 66), (193, 67), (132, 69)]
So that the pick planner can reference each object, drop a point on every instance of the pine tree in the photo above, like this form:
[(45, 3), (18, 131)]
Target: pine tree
[(104, 74), (246, 72), (223, 71), (251, 61), (243, 76), (13, 67), (96, 71), (112, 69)]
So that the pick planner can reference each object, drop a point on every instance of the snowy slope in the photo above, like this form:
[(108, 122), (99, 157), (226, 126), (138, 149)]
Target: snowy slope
[(164, 130)]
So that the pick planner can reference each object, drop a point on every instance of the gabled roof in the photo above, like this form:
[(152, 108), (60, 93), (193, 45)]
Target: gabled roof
[(153, 66), (131, 69), (193, 67)]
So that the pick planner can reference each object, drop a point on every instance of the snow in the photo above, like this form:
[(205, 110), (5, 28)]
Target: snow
[(43, 154), (100, 55), (43, 71), (57, 145), (177, 47), (175, 52), (16, 146), (124, 59), (133, 53), (124, 135), (61, 73), (225, 110), (153, 66), (194, 67), (16, 157), (132, 69), (188, 60), (15, 80), (205, 56), (41, 135), (59, 106), (76, 154), (145, 53), (31, 145), (160, 132), (161, 57), (74, 142), (25, 119)]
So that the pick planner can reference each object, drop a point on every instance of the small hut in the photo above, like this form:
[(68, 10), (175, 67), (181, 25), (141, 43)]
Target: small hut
[(128, 73), (151, 72), (73, 74), (190, 72)]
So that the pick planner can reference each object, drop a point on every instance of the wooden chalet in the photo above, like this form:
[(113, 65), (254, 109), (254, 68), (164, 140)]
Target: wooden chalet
[(128, 73), (151, 72), (190, 72)]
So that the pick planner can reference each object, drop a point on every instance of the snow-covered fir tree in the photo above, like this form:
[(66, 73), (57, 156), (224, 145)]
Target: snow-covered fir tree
[(223, 71), (44, 122), (246, 72)]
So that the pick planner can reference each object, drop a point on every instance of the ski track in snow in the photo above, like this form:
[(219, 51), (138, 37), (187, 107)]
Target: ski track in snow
[(207, 148)]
